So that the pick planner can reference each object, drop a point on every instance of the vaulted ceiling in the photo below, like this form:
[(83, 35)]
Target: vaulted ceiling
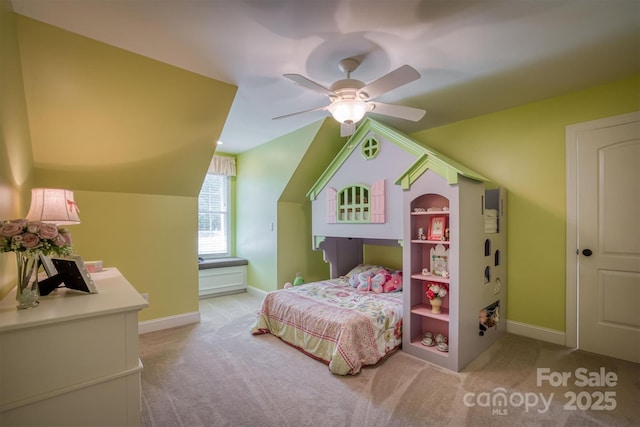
[(474, 57)]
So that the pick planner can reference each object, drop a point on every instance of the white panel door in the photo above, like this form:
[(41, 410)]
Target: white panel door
[(608, 220)]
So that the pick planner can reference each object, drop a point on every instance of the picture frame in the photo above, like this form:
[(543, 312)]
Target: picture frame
[(48, 266), (74, 274), (437, 227), (439, 262), (439, 265)]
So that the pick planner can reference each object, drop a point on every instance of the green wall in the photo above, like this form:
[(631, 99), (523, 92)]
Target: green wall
[(523, 150), (272, 183), (16, 159), (294, 248), (386, 256), (132, 137), (155, 252), (104, 119)]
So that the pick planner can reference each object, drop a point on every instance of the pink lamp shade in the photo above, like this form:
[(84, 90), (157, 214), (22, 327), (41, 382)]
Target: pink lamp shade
[(53, 205)]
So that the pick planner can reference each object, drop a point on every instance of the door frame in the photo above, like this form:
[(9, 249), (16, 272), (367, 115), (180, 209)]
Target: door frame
[(572, 286)]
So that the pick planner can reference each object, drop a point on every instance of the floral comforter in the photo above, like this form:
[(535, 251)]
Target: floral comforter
[(333, 322)]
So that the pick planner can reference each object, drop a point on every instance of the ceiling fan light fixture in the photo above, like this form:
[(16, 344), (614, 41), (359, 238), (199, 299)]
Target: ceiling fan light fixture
[(348, 110)]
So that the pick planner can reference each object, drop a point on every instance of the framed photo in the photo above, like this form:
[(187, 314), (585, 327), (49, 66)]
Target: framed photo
[(437, 226), (74, 274), (48, 266), (439, 265)]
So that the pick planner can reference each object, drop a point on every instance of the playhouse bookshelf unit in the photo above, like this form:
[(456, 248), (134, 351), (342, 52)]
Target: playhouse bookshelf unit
[(469, 258), (430, 255)]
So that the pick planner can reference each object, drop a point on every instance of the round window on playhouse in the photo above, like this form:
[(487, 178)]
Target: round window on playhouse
[(370, 148)]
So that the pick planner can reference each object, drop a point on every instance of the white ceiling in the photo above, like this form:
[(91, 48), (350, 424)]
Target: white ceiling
[(475, 57)]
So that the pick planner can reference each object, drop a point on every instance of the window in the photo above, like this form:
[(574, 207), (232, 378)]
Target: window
[(353, 204), (213, 217), (370, 148)]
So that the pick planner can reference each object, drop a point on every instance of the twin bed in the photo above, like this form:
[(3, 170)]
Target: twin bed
[(334, 322)]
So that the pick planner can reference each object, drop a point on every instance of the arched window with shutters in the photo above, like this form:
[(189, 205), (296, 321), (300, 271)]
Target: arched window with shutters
[(357, 204)]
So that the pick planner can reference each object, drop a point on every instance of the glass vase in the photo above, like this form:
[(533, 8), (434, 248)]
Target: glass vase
[(27, 292)]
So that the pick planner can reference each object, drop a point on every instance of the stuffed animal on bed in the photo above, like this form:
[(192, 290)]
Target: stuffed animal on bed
[(372, 281), (393, 283), (354, 280)]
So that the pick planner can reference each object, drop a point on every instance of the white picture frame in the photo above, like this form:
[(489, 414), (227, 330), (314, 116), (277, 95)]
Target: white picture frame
[(75, 274), (48, 266)]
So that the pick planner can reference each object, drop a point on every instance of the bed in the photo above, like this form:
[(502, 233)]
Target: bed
[(334, 322)]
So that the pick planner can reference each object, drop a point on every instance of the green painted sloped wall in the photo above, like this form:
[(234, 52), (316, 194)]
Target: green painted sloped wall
[(295, 252), (105, 119), (272, 181), (133, 137), (16, 159)]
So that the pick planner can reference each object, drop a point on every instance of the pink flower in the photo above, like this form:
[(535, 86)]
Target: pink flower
[(59, 240), (438, 290), (48, 231), (20, 235), (10, 229), (29, 240), (397, 330), (64, 234)]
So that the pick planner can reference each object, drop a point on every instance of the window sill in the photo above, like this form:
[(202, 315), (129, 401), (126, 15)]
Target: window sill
[(221, 263)]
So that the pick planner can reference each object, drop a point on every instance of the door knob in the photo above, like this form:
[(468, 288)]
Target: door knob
[(587, 252)]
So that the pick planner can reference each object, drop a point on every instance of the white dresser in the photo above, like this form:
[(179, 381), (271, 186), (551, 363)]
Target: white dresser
[(73, 360)]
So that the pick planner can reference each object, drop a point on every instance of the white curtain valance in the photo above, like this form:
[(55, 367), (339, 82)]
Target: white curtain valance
[(223, 165)]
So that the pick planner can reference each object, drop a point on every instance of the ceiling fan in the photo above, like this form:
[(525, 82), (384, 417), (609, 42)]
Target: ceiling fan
[(351, 99)]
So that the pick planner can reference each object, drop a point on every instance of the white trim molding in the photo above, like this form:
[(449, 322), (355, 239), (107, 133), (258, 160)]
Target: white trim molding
[(536, 332), (256, 291), (169, 322)]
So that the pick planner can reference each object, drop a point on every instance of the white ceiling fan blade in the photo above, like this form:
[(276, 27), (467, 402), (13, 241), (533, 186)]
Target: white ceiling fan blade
[(394, 79), (299, 112), (400, 111), (309, 84)]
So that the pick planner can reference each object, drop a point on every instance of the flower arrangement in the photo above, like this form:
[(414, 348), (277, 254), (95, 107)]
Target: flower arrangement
[(34, 237), (436, 290), (29, 239)]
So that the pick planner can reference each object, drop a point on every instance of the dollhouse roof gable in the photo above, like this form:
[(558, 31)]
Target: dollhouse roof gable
[(426, 158)]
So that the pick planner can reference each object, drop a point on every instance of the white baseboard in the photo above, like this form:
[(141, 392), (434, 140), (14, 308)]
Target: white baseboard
[(536, 332), (168, 322), (256, 291)]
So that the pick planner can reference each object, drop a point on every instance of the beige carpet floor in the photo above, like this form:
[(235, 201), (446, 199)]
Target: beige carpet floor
[(216, 373)]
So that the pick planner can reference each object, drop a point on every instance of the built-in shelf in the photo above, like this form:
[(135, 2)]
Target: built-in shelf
[(453, 262), (433, 349), (431, 278), (425, 310), (431, 242), (431, 213)]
